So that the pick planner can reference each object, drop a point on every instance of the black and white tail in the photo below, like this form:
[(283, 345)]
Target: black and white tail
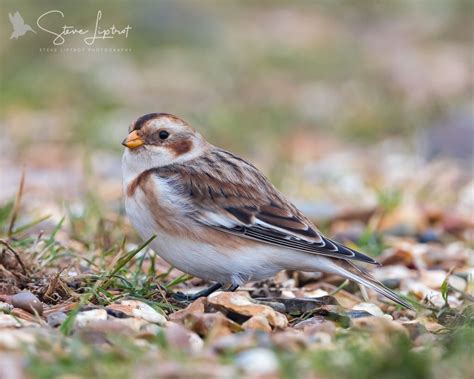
[(357, 274)]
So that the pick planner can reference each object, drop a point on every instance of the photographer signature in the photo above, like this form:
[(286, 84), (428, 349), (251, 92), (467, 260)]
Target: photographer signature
[(89, 40)]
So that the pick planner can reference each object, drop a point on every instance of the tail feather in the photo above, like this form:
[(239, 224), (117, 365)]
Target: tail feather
[(357, 274)]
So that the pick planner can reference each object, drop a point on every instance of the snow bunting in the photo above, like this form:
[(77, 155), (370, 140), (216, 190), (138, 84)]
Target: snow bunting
[(217, 217)]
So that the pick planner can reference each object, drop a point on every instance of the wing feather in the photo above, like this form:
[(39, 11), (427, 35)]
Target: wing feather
[(229, 194)]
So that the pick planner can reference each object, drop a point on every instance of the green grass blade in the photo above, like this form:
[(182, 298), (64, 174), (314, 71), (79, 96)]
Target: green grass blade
[(29, 225)]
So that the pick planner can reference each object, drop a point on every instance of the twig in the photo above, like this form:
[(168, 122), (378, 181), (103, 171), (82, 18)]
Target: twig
[(163, 295), (52, 285), (17, 256), (16, 207)]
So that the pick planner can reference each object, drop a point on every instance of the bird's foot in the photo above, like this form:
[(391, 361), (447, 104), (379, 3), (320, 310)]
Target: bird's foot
[(179, 296)]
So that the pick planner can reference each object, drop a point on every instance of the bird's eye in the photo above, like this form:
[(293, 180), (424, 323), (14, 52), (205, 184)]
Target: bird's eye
[(163, 134)]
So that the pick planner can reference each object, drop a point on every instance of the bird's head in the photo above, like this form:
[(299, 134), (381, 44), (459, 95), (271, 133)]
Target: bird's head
[(160, 139)]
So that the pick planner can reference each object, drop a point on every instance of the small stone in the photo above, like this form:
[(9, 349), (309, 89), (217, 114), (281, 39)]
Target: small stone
[(346, 299), (115, 327), (238, 342), (210, 323), (12, 339), (182, 339), (55, 319), (139, 309), (5, 307), (454, 224), (27, 301), (318, 292), (257, 322), (429, 235), (457, 282), (370, 308), (296, 306), (321, 338), (12, 364), (433, 327), (198, 306), (287, 294), (415, 328), (8, 321), (243, 305), (257, 361), (290, 340), (317, 324), (139, 325), (424, 340), (433, 278), (84, 318), (379, 325)]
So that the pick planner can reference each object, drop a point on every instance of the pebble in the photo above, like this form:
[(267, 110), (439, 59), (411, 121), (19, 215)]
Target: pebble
[(243, 305), (27, 301), (321, 338), (8, 321), (257, 322), (317, 324), (55, 319), (84, 318), (5, 307), (139, 325), (12, 339), (429, 235), (257, 361), (141, 310), (182, 339), (370, 308), (379, 325)]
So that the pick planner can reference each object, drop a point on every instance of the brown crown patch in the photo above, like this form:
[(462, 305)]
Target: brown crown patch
[(143, 120)]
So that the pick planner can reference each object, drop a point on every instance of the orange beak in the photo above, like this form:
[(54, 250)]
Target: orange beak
[(133, 140)]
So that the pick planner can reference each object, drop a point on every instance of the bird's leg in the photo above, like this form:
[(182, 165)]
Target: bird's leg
[(205, 292), (232, 287)]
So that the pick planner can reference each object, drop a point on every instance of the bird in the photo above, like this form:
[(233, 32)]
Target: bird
[(216, 216), (19, 26)]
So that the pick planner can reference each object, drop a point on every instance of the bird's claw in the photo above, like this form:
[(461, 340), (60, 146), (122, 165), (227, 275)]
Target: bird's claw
[(179, 296)]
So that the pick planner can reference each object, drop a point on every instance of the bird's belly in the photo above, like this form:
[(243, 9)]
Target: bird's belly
[(235, 265), (212, 263)]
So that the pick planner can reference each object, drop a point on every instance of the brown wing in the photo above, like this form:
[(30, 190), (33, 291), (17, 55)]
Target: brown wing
[(229, 194)]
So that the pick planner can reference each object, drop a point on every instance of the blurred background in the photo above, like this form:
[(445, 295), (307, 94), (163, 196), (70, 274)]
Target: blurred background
[(344, 105)]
